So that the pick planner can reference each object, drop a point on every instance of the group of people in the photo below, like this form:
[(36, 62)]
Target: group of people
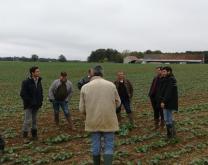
[(164, 98), (101, 102)]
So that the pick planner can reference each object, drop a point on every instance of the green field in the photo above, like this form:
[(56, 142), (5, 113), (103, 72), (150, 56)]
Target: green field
[(60, 146)]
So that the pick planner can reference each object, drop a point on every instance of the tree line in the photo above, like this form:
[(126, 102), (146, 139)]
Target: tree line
[(102, 55), (112, 55), (34, 58)]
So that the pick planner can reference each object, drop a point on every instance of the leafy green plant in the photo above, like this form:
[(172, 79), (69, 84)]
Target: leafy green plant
[(61, 156), (58, 139)]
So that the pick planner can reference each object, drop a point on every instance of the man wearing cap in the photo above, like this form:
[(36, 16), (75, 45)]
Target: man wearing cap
[(98, 101), (60, 93)]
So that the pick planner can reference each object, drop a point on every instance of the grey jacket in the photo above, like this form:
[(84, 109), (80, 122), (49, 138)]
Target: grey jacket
[(55, 85)]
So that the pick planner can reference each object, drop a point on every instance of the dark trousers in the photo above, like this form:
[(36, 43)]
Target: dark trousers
[(158, 112), (127, 105)]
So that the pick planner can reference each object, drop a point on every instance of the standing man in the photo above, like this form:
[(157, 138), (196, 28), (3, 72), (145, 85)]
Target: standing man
[(98, 101), (84, 80), (153, 93), (32, 96), (169, 99), (60, 93), (125, 90)]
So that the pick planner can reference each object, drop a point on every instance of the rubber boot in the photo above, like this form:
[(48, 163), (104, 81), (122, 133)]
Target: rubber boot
[(131, 120), (108, 159), (56, 118), (156, 124), (173, 130), (34, 134), (169, 131), (162, 124), (69, 120), (119, 117), (25, 137), (25, 134), (96, 160)]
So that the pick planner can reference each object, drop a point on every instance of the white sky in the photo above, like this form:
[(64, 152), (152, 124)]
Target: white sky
[(74, 28)]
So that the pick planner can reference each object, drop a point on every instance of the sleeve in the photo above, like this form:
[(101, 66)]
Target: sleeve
[(131, 89), (51, 91), (71, 90), (168, 91), (117, 98), (24, 91), (41, 88), (82, 102), (150, 90)]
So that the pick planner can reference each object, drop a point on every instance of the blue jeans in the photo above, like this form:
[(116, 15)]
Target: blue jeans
[(96, 138), (127, 105), (64, 106), (168, 116)]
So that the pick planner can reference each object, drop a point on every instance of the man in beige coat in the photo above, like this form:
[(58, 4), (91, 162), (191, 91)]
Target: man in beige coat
[(98, 101)]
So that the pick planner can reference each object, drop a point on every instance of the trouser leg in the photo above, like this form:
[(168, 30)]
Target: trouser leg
[(108, 147)]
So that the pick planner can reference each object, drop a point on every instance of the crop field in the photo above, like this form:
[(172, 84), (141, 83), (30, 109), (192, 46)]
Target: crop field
[(134, 145)]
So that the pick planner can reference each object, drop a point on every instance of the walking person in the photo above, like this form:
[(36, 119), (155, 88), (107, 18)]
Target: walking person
[(169, 99), (153, 95), (32, 96), (125, 91), (98, 101), (60, 93)]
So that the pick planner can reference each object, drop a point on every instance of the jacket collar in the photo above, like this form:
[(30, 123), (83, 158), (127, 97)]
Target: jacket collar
[(95, 77), (39, 79)]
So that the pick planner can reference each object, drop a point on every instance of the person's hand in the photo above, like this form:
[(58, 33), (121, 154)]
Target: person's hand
[(162, 105)]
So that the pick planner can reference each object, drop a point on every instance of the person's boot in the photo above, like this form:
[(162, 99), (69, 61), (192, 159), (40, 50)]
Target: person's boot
[(108, 159), (96, 160), (34, 134), (156, 122), (25, 137), (131, 120), (56, 118), (173, 130), (169, 131), (162, 124), (69, 120), (25, 134)]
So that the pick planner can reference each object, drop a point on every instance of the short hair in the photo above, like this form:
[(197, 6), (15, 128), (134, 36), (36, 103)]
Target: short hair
[(159, 67), (167, 68), (98, 71), (63, 74), (33, 69)]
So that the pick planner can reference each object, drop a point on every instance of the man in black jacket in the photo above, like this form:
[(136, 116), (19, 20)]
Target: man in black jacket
[(158, 112), (32, 96), (168, 93)]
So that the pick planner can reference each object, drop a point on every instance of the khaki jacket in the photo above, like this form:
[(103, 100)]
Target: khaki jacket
[(98, 101)]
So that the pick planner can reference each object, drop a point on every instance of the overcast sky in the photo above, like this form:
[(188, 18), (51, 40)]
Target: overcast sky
[(74, 28)]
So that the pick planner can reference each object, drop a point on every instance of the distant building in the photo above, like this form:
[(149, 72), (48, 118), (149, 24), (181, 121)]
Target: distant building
[(174, 58), (132, 59)]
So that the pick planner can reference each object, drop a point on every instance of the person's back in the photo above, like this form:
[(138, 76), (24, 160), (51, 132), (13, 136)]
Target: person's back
[(100, 97), (98, 101)]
